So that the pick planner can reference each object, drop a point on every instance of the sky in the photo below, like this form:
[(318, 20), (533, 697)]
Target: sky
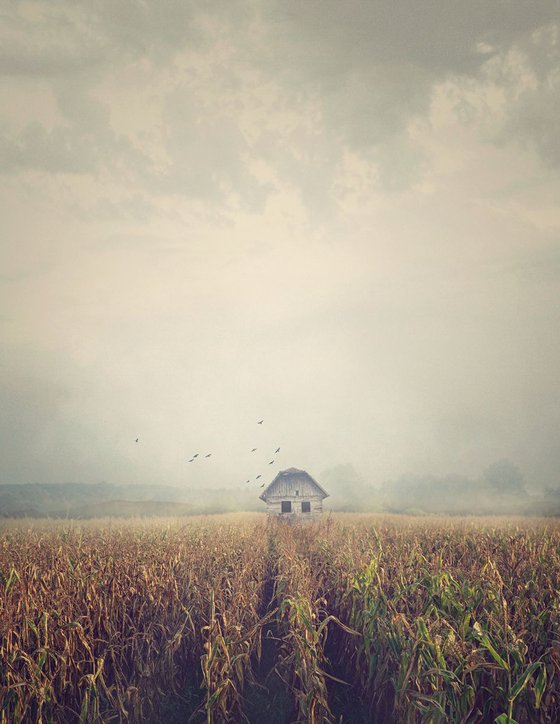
[(339, 217)]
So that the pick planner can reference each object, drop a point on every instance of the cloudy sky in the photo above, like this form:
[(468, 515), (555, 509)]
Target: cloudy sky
[(341, 217)]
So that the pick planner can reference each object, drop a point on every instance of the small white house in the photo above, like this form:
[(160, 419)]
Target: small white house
[(293, 494)]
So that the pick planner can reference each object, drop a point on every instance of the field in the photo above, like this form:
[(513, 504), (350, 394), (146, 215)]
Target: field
[(352, 619)]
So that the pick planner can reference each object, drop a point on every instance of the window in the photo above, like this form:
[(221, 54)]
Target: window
[(297, 492), (286, 506), (306, 507)]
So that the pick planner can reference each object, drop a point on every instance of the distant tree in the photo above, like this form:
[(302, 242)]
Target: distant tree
[(504, 477), (343, 479), (431, 493), (347, 489)]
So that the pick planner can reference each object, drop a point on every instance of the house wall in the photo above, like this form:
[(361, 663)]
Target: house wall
[(274, 505)]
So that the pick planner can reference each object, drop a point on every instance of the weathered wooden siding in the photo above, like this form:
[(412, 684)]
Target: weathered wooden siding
[(286, 487), (274, 505), (297, 487)]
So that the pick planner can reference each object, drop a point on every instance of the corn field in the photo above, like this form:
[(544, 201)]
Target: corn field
[(349, 619)]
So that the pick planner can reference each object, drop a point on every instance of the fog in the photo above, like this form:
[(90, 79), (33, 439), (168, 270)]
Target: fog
[(339, 218)]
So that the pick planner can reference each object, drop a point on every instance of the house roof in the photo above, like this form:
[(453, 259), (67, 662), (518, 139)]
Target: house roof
[(287, 474)]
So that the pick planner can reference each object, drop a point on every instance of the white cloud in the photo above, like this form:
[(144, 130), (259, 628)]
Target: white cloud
[(342, 216)]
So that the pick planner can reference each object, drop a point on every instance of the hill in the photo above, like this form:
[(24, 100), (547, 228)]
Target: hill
[(131, 509), (61, 500)]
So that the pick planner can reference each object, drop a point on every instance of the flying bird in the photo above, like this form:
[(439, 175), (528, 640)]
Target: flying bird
[(253, 450), (258, 476), (277, 450), (137, 439), (271, 462), (248, 481), (260, 422), (262, 486), (209, 455), (191, 460), (195, 456)]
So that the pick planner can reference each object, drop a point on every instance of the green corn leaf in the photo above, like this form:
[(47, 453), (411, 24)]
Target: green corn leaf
[(85, 709), (423, 630), (540, 687), (485, 641), (521, 683), (40, 663), (12, 578)]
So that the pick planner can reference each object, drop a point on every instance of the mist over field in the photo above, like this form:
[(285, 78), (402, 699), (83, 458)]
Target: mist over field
[(499, 491), (341, 219)]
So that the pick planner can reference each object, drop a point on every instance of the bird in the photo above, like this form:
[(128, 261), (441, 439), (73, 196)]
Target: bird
[(262, 486), (195, 456), (137, 439), (277, 450), (191, 460), (260, 422), (258, 476), (248, 481), (271, 462), (209, 455), (253, 450)]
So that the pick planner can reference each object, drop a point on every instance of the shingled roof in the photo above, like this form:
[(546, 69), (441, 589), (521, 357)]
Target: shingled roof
[(289, 473)]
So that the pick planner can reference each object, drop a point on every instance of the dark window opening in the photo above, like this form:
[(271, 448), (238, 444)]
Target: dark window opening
[(286, 506), (306, 507), (297, 492)]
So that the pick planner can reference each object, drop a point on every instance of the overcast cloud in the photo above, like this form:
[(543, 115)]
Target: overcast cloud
[(341, 217)]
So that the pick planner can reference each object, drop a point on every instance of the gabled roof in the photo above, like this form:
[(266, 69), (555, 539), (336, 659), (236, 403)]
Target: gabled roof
[(289, 473)]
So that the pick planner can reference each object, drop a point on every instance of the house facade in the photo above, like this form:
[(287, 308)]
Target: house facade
[(294, 494)]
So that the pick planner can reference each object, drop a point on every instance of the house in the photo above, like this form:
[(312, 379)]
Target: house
[(294, 494)]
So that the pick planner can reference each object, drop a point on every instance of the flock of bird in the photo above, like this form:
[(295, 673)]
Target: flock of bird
[(208, 455)]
